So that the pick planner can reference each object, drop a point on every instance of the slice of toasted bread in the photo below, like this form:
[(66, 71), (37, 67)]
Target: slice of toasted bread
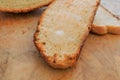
[(62, 30), (18, 6), (105, 22), (113, 6)]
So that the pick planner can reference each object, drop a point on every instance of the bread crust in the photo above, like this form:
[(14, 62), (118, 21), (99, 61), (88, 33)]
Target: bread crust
[(99, 29), (69, 60), (24, 9), (102, 30), (114, 29)]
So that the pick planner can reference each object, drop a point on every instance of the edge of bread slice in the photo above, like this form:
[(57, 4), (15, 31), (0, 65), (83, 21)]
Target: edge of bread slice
[(105, 22), (18, 6), (62, 29), (112, 6)]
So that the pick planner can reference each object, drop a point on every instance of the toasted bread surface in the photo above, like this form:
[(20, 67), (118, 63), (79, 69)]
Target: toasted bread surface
[(17, 6), (62, 29), (105, 22)]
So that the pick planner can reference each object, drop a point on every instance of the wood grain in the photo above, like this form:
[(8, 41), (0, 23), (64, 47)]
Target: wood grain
[(20, 60), (98, 56)]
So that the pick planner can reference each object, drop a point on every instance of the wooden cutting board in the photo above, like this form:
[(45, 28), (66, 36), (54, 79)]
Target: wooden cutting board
[(20, 60)]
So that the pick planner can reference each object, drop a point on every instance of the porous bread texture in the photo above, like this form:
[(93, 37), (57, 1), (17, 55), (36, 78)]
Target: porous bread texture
[(105, 22), (18, 6), (62, 29)]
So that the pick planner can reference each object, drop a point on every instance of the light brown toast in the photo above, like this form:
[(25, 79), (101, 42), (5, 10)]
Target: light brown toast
[(113, 6), (18, 6), (62, 29), (105, 22)]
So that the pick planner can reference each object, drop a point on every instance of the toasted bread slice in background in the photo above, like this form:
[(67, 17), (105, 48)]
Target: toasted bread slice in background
[(18, 6), (105, 22), (62, 29), (113, 6)]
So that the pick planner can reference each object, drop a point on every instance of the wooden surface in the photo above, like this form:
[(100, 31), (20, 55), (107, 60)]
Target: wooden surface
[(20, 60)]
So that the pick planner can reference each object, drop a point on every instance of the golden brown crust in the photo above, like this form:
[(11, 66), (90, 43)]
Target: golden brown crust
[(101, 30), (24, 9), (113, 29), (53, 61)]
